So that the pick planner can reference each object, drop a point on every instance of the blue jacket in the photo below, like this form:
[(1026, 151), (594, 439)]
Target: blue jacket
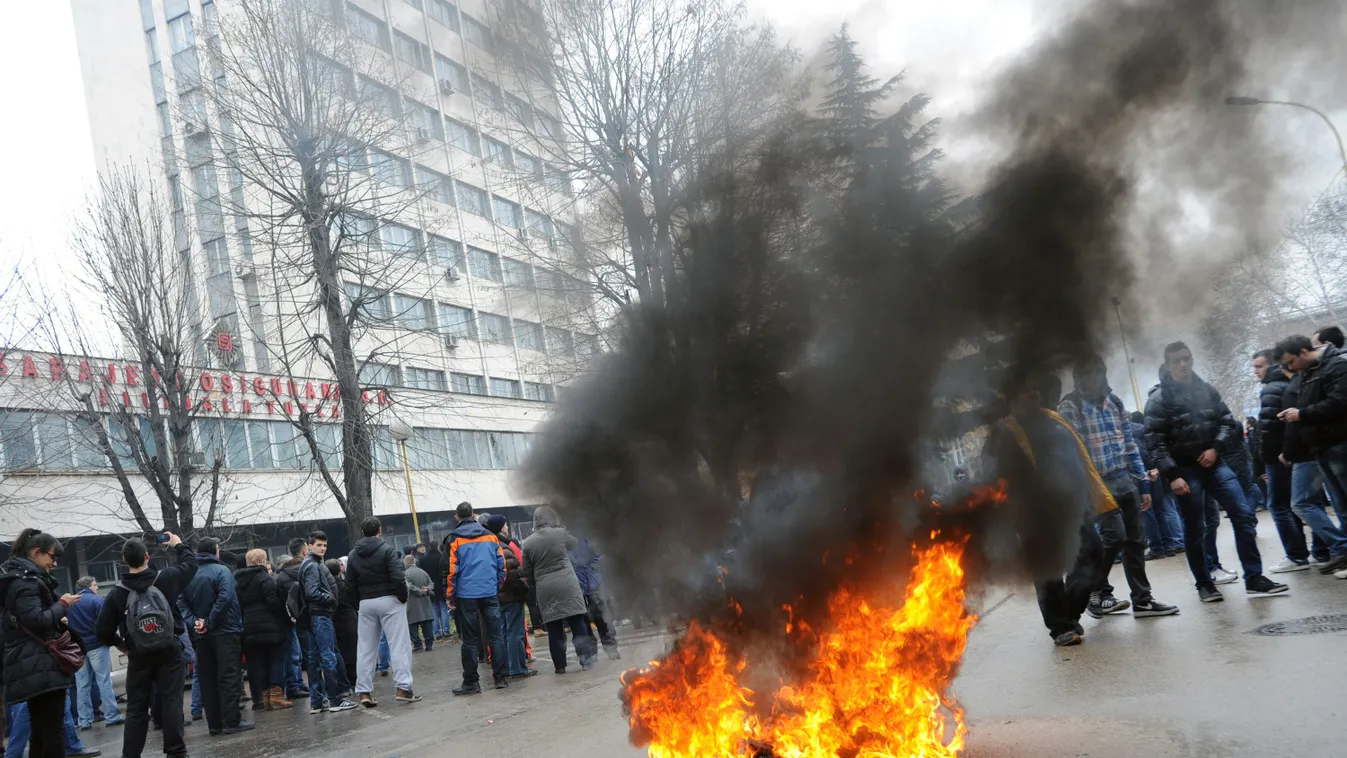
[(211, 596), (476, 562), (586, 567), (82, 617)]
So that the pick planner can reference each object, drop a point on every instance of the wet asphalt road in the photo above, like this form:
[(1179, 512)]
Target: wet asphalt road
[(1198, 685)]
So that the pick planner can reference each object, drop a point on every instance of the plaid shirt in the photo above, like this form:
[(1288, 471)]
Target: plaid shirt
[(1103, 429)]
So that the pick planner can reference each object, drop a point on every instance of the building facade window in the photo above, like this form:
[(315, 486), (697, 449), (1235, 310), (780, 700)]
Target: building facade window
[(528, 335), (390, 168), (471, 384), (445, 13), (425, 378), (373, 305), (401, 240), (367, 27), (560, 342), (445, 252), (507, 213), (413, 312), (457, 321), (380, 375), (476, 32), (411, 51), (471, 199), (536, 391), (463, 137), (506, 388), (437, 186), (497, 152), (180, 36), (517, 273), (425, 121), (493, 328), (484, 264)]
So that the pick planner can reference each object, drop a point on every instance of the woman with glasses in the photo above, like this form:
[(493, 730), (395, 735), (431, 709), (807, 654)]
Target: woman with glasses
[(33, 613)]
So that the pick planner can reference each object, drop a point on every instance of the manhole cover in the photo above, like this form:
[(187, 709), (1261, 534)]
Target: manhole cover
[(1307, 625)]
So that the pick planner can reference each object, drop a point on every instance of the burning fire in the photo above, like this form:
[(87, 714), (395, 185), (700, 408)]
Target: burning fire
[(877, 683)]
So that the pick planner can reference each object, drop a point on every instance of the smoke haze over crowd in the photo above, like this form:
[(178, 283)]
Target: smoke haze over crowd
[(1118, 163)]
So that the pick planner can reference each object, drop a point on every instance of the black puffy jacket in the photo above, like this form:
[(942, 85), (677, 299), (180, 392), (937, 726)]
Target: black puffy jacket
[(374, 569), (262, 607), (1323, 401), (320, 589), (1271, 430), (29, 595), (1293, 440), (1185, 420)]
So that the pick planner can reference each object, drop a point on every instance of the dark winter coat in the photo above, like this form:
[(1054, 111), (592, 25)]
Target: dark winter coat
[(547, 566), (1271, 430), (586, 567), (211, 596), (418, 600), (1185, 420), (1294, 448), (320, 589), (1323, 401), (264, 619), (515, 589), (373, 570), (287, 577), (171, 581), (31, 603), (437, 565)]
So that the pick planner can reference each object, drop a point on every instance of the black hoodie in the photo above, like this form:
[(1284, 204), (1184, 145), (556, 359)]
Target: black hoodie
[(374, 569), (171, 580)]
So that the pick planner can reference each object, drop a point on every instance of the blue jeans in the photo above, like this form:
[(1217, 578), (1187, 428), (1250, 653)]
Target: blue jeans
[(1164, 528), (96, 671), (516, 652), (294, 669), (19, 728), (323, 684), (441, 608), (1290, 529), (1225, 489), (385, 655), (196, 691), (471, 612), (1310, 503)]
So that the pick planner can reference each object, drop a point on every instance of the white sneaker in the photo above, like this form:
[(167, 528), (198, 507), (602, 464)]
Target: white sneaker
[(1341, 574), (1287, 565), (1315, 562), (1221, 576)]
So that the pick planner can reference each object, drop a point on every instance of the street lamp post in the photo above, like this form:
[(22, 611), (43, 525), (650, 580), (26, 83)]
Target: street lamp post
[(1246, 101), (1131, 367), (402, 432)]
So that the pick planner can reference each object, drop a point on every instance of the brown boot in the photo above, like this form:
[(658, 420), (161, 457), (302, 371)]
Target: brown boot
[(276, 700)]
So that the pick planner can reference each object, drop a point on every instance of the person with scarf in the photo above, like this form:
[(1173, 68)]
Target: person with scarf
[(1053, 491), (1099, 419)]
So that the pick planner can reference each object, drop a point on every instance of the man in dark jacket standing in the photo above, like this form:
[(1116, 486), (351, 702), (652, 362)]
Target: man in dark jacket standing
[(320, 602), (1321, 413), (513, 596), (1271, 433), (165, 669), (1186, 424), (476, 574), (286, 578), (210, 608), (375, 577), (435, 564)]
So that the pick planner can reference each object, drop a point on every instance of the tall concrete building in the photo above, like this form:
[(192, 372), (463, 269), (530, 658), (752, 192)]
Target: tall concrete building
[(468, 345)]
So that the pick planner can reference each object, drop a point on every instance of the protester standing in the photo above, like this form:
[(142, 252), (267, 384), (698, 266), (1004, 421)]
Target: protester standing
[(375, 576), (512, 597), (586, 563), (210, 608), (97, 669), (437, 567), (420, 616), (290, 589), (476, 573), (34, 614), (320, 602), (155, 652), (264, 631), (547, 566), (346, 621)]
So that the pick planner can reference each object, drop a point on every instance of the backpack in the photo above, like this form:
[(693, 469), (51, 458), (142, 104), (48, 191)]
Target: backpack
[(149, 619), (294, 602)]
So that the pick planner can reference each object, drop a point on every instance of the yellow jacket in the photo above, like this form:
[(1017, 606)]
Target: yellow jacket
[(1100, 497)]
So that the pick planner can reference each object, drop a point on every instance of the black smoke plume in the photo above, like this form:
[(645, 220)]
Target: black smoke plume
[(819, 338)]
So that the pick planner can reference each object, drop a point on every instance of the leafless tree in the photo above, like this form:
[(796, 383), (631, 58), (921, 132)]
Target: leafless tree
[(314, 118)]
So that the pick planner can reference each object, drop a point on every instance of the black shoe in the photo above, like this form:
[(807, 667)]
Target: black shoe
[(85, 753), (243, 726), (1066, 639), (1209, 594), (86, 728), (501, 684), (216, 732), (528, 673), (1080, 630), (1102, 606), (561, 669), (1260, 586), (1337, 564), (298, 693), (1153, 607), (468, 689)]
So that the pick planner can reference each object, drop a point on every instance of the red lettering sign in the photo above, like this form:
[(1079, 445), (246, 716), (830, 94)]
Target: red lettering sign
[(259, 386), (57, 369), (85, 374), (327, 390), (207, 381), (247, 406), (132, 376), (224, 403), (308, 390), (289, 408), (206, 404), (4, 369), (29, 368), (226, 383), (364, 397), (383, 398), (334, 412), (271, 408), (145, 400), (104, 398), (126, 399), (276, 388), (224, 342), (111, 376)]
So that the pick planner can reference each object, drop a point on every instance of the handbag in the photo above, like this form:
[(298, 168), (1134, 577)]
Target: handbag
[(67, 653)]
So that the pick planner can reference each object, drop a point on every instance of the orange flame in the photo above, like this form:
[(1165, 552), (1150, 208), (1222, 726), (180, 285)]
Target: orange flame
[(877, 684)]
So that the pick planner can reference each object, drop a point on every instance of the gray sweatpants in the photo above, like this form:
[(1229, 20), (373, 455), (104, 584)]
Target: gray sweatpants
[(385, 616)]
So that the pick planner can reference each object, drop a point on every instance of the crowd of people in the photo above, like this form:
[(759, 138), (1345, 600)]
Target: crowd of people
[(345, 621), (1152, 484)]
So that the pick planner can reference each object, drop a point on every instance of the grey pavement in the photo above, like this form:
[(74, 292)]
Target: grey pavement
[(1198, 685)]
